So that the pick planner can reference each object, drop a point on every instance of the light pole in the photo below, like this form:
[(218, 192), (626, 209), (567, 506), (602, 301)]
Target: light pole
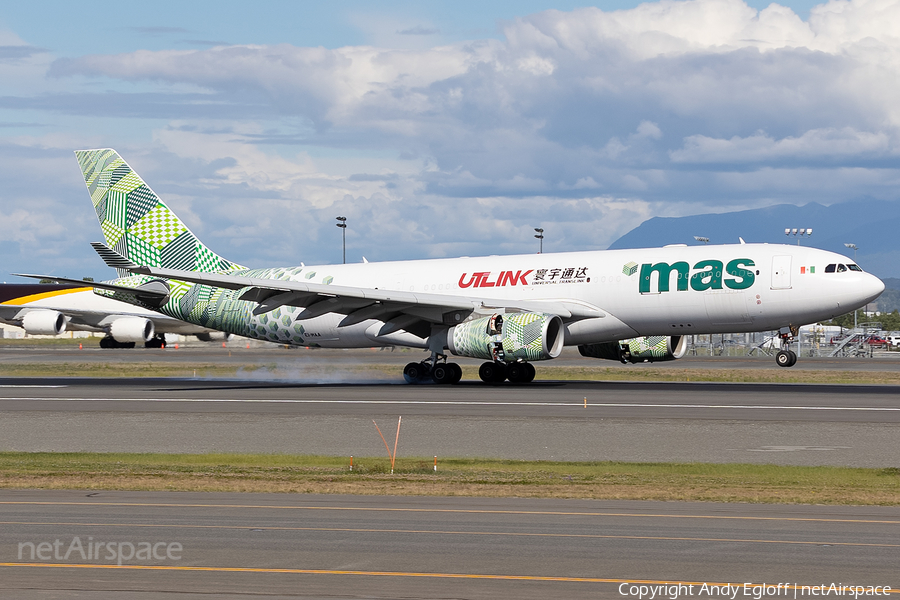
[(540, 236), (700, 238), (343, 225), (854, 248), (789, 232)]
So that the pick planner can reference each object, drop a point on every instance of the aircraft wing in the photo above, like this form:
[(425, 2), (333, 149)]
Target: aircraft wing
[(357, 302), (153, 293), (99, 321), (319, 298)]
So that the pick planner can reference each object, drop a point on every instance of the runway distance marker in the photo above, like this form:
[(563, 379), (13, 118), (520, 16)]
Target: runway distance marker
[(452, 510), (473, 533), (386, 574)]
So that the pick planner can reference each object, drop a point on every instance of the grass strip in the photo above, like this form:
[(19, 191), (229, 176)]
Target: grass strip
[(455, 477), (391, 372)]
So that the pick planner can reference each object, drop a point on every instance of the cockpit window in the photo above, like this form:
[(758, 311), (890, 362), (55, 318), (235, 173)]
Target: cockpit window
[(854, 268), (841, 268), (830, 268)]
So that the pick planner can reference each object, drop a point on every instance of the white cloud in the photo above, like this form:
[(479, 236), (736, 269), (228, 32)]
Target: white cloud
[(816, 143), (698, 105)]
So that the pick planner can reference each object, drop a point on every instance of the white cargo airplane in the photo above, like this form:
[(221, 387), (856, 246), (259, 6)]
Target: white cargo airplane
[(53, 309), (509, 311)]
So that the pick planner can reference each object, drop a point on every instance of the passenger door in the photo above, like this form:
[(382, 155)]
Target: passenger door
[(781, 272)]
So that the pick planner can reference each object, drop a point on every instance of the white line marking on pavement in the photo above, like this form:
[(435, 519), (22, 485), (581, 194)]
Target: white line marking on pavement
[(471, 403), (33, 386)]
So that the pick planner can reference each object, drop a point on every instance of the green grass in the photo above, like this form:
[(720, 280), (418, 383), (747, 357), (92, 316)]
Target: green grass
[(455, 476)]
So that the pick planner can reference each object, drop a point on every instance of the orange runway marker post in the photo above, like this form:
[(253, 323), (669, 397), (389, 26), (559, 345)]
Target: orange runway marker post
[(391, 455), (397, 439), (383, 440), (435, 464), (585, 402), (351, 462)]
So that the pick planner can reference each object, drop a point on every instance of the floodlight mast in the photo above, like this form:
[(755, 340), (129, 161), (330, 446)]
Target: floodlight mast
[(343, 225), (540, 236), (799, 233), (854, 248)]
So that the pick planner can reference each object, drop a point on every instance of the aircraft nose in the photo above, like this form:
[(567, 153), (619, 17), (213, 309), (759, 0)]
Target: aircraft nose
[(871, 287)]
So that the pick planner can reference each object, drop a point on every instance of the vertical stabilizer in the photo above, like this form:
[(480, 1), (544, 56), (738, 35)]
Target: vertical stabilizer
[(136, 223)]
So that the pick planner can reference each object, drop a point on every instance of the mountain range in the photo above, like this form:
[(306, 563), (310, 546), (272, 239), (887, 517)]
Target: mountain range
[(872, 225)]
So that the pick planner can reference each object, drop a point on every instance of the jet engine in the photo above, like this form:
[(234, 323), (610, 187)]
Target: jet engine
[(510, 337), (44, 322), (653, 348), (132, 329)]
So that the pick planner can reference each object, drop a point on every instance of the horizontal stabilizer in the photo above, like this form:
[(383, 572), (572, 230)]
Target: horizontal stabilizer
[(111, 257), (154, 292)]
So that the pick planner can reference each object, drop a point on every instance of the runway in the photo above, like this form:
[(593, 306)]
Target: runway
[(852, 425), (306, 362), (237, 545)]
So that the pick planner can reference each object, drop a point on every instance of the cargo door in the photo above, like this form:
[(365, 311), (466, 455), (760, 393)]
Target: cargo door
[(781, 272)]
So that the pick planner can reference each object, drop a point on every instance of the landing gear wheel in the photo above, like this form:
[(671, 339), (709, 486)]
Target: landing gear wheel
[(457, 372), (415, 372), (492, 372), (531, 372), (785, 358), (444, 373), (111, 342), (520, 372), (157, 342)]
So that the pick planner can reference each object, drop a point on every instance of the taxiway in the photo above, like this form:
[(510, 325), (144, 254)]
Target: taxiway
[(241, 545)]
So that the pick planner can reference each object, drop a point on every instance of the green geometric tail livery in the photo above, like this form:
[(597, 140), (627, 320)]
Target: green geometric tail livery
[(136, 223)]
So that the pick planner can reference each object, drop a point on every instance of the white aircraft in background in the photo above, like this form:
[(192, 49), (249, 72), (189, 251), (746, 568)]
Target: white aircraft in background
[(509, 311), (53, 309)]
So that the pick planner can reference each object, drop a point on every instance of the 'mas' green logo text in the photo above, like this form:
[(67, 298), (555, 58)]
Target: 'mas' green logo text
[(708, 275)]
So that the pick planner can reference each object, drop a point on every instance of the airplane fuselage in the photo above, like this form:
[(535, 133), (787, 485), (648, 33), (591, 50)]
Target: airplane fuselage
[(675, 290)]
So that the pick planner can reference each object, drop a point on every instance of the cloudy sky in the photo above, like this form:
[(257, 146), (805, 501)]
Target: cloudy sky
[(438, 129)]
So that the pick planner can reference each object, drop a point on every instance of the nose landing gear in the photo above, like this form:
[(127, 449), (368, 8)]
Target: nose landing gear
[(787, 357)]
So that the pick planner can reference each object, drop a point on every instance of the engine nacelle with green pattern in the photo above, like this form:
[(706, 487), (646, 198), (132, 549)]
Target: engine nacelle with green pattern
[(654, 348), (509, 337)]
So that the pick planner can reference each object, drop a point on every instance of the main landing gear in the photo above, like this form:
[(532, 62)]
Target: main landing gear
[(497, 372), (786, 357), (431, 369), (158, 341), (440, 371), (111, 342)]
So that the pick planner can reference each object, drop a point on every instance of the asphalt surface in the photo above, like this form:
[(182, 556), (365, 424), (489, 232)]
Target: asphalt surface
[(287, 546), (303, 546), (306, 362), (852, 425)]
